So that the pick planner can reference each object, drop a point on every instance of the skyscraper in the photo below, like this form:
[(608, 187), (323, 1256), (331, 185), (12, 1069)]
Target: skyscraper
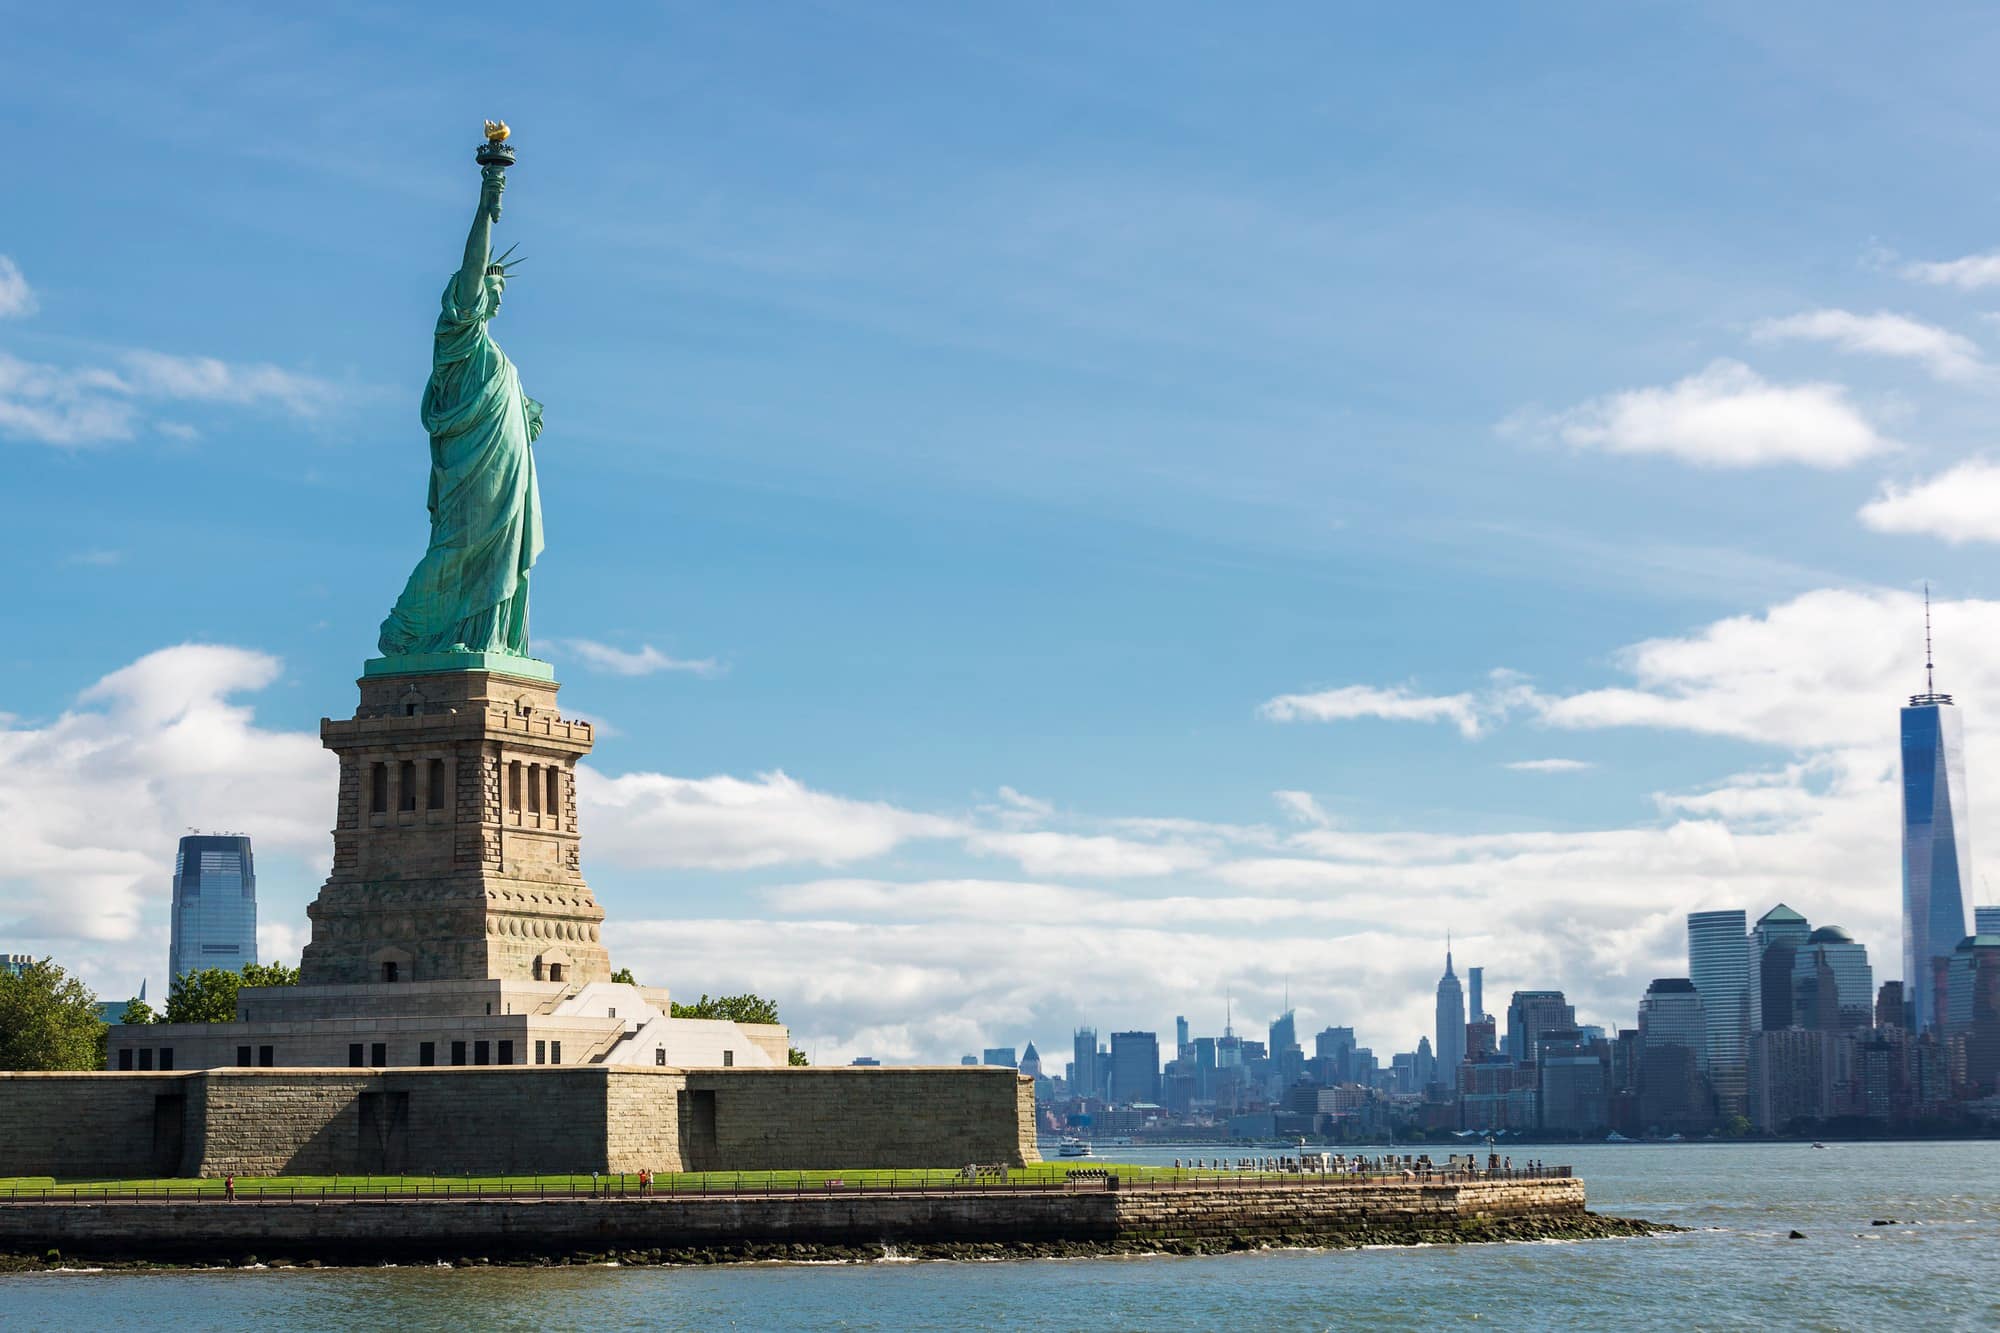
[(1836, 953), (1288, 1061), (1719, 966), (1936, 848), (215, 905), (1531, 1013), (1475, 993), (1085, 1078), (1180, 1036), (1450, 1049), (1135, 1068), (1671, 1015), (1780, 934), (1986, 920)]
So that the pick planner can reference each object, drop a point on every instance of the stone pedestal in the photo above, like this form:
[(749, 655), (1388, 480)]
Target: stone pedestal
[(455, 851)]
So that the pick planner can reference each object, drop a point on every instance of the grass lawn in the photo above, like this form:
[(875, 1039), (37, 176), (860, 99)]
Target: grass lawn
[(1041, 1173)]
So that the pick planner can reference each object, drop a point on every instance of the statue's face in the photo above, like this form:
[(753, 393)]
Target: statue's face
[(495, 285)]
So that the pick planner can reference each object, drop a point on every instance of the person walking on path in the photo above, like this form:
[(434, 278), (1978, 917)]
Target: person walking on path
[(229, 1188)]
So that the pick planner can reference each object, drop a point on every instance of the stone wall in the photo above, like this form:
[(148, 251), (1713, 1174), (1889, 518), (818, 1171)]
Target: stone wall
[(452, 1229), (786, 1119), (91, 1124), (513, 1120)]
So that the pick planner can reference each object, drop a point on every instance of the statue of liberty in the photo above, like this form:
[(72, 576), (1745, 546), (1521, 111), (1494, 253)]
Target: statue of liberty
[(470, 591)]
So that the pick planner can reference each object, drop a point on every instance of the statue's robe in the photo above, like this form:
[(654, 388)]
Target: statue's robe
[(470, 591)]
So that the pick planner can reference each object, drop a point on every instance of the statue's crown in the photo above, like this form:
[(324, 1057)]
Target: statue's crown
[(504, 266)]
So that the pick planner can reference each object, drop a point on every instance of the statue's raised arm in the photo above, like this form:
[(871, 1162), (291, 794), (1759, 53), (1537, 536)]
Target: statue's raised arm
[(479, 241)]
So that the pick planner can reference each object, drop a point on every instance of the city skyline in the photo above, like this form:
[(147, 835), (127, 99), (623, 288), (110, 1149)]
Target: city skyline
[(1085, 560)]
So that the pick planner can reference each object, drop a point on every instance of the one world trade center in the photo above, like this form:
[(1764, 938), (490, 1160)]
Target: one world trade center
[(1936, 850)]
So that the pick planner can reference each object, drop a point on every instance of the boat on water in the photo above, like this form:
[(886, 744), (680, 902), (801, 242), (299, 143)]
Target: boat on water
[(1073, 1147)]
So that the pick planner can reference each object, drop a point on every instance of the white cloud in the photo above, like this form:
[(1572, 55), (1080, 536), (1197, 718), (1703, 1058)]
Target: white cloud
[(1551, 765), (1726, 416), (1358, 701), (101, 557), (17, 298), (71, 406), (1031, 805), (62, 407), (1817, 673), (1946, 355), (619, 662), (1961, 504), (206, 379), (94, 801), (1049, 853), (1302, 806), (1967, 274), (651, 819)]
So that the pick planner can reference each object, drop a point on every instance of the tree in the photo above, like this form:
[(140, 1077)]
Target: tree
[(623, 977), (269, 974), (138, 1011), (209, 996), (48, 1021), (744, 1008)]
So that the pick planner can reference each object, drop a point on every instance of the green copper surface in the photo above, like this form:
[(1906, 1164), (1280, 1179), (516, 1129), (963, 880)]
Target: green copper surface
[(424, 664), (469, 594)]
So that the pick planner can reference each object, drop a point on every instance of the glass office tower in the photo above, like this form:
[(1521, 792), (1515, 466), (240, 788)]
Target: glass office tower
[(1779, 936), (215, 905), (1719, 966), (1936, 851)]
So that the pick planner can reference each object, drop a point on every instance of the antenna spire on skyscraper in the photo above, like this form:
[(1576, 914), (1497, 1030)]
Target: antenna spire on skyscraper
[(1930, 684), (1930, 695)]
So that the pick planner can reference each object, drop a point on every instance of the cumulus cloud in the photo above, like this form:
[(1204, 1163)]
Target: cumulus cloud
[(1725, 416), (1959, 505), (1815, 673), (95, 800), (17, 298), (1396, 704), (71, 406), (1946, 355), (1550, 765), (1967, 274), (619, 662), (652, 819)]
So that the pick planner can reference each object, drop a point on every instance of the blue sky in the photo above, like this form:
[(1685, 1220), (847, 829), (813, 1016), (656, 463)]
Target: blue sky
[(1016, 406)]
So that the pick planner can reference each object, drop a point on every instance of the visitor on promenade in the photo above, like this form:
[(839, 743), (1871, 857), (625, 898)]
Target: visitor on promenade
[(229, 1189)]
